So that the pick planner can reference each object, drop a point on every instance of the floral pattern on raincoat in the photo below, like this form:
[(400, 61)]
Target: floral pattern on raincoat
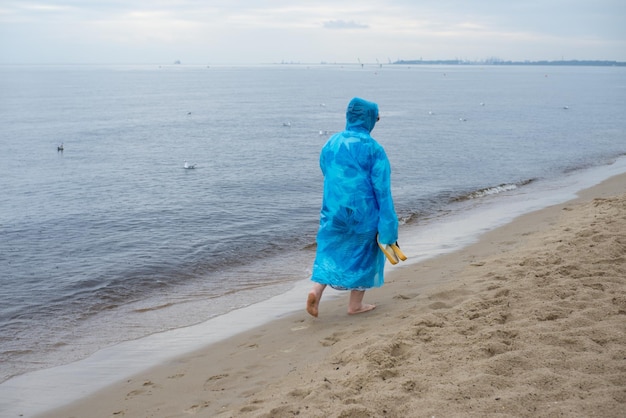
[(357, 204)]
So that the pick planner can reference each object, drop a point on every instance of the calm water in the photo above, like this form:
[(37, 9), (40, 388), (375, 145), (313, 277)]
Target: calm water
[(112, 239)]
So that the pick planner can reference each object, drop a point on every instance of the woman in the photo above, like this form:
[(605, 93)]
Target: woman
[(357, 206)]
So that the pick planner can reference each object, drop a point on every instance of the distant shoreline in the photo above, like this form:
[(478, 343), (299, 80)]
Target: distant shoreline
[(587, 63), (459, 62)]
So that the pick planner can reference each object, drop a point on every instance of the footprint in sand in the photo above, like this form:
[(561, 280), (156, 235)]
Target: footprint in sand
[(249, 408), (136, 392), (331, 340), (212, 382), (248, 346), (194, 409), (406, 296), (300, 393), (301, 326), (216, 377)]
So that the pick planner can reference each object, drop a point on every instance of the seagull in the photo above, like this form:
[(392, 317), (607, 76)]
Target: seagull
[(188, 166), (287, 124), (60, 147)]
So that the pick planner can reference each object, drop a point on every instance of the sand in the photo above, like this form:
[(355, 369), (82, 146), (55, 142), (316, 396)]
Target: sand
[(528, 322)]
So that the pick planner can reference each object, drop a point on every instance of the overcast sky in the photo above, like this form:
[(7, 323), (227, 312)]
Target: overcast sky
[(342, 31)]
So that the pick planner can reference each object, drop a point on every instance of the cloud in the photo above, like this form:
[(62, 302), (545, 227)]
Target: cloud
[(227, 31), (342, 24)]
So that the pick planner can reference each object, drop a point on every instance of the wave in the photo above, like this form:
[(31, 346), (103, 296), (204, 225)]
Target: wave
[(492, 190), (439, 204)]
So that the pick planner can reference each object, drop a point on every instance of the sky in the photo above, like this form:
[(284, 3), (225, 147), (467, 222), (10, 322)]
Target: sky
[(333, 31)]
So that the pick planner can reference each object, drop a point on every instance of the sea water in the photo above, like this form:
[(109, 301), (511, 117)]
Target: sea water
[(112, 240)]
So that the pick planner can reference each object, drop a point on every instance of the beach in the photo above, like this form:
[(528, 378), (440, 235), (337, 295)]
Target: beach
[(528, 321), (111, 244)]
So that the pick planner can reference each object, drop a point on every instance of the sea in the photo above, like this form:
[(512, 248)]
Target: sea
[(108, 242)]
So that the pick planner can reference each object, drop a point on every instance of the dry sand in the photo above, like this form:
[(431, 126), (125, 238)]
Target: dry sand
[(528, 322)]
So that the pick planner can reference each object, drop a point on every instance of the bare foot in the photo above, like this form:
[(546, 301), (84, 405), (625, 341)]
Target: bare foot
[(312, 304), (365, 307), (356, 305)]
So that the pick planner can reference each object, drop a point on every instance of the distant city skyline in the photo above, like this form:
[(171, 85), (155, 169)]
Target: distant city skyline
[(342, 31)]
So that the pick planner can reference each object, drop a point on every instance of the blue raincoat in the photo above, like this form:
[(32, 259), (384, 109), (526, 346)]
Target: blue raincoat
[(357, 205)]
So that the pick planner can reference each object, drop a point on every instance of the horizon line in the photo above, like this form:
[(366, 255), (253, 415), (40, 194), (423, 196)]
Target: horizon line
[(454, 61)]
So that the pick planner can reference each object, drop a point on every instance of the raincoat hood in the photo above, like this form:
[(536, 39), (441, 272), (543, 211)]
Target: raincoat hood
[(361, 115)]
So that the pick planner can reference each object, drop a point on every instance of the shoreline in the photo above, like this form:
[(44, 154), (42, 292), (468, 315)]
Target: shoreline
[(273, 368)]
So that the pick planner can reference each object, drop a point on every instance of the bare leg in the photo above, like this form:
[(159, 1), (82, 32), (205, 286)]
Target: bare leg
[(356, 304), (313, 300)]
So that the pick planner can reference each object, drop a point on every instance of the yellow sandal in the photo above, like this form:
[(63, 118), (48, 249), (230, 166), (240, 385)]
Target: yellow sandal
[(391, 251)]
